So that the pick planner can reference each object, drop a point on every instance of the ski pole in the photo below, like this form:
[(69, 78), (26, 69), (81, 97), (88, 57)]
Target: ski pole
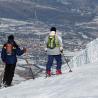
[(67, 63), (29, 65), (30, 68)]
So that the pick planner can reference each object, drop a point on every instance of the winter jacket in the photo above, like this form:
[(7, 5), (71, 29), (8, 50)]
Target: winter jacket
[(11, 59), (56, 50)]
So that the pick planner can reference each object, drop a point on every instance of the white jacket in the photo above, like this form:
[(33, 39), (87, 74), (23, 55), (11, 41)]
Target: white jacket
[(56, 50)]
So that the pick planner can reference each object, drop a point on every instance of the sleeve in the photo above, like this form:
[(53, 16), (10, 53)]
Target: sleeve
[(60, 41), (3, 54), (16, 44), (45, 42), (19, 52)]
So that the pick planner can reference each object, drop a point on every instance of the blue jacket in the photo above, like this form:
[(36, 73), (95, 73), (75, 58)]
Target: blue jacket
[(11, 59)]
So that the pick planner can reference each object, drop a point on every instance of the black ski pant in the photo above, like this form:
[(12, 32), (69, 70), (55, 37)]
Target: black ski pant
[(9, 74)]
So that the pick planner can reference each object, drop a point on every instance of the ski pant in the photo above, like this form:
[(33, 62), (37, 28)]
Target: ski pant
[(9, 74), (58, 59)]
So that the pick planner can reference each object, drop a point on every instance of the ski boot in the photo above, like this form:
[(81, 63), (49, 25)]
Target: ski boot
[(58, 72), (48, 73)]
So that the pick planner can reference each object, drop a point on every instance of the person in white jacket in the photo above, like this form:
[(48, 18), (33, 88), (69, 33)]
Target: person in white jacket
[(54, 47)]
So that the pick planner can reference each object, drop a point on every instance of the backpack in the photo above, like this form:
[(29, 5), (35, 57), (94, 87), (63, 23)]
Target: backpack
[(52, 42), (9, 48)]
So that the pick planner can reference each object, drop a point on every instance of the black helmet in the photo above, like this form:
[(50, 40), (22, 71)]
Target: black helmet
[(53, 29), (11, 37)]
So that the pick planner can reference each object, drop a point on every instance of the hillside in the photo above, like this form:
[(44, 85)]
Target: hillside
[(81, 83)]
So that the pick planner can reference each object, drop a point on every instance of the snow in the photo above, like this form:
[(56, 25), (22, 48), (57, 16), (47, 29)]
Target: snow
[(21, 61), (64, 2), (17, 79), (81, 83), (20, 68), (46, 7), (88, 55)]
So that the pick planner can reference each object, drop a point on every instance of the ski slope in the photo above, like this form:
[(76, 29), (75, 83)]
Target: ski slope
[(81, 83)]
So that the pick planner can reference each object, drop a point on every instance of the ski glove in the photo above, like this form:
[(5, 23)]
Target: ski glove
[(45, 49), (61, 49)]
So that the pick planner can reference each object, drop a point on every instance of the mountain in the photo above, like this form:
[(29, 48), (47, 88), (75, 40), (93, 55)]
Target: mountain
[(67, 15), (49, 11)]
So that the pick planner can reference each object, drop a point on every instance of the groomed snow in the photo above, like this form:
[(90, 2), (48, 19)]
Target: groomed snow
[(81, 83)]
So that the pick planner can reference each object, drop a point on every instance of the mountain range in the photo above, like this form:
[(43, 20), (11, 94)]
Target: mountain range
[(74, 18)]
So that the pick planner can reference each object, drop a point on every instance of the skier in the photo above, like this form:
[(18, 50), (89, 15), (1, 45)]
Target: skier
[(8, 55), (53, 47)]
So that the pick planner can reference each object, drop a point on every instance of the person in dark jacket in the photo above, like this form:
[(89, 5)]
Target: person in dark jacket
[(9, 54)]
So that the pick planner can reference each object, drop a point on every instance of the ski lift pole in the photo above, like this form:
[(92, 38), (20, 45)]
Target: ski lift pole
[(67, 63)]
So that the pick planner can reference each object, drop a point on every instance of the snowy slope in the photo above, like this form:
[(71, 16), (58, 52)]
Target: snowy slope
[(88, 55), (82, 83)]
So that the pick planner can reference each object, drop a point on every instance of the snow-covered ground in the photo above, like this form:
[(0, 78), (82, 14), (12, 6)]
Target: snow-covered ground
[(88, 55), (81, 83)]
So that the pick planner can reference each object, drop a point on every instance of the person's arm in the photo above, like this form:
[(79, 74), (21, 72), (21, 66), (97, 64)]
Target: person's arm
[(61, 43), (3, 54), (45, 43), (15, 44), (19, 52)]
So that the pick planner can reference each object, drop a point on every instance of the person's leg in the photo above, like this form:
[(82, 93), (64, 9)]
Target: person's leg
[(58, 59), (11, 74), (49, 64), (6, 73)]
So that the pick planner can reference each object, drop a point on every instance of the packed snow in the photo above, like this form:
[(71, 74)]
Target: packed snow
[(81, 83)]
